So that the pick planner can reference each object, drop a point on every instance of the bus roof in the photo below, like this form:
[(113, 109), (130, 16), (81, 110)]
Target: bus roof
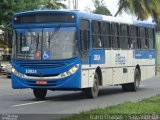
[(98, 17)]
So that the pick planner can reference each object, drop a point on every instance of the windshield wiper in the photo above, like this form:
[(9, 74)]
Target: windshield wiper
[(34, 37), (53, 34)]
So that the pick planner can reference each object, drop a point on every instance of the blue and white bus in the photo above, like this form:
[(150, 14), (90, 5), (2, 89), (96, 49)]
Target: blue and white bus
[(73, 50)]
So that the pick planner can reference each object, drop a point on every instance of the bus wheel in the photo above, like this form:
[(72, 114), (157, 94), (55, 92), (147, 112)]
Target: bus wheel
[(40, 93), (135, 85), (93, 91)]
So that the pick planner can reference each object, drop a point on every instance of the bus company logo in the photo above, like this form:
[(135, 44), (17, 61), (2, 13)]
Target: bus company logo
[(120, 59), (97, 57)]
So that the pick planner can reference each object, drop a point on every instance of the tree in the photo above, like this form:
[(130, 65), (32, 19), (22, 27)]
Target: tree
[(101, 8), (143, 9), (53, 4), (10, 7)]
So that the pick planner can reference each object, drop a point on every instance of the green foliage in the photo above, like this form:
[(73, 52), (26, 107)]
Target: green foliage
[(124, 111), (53, 4), (10, 7), (101, 8), (143, 9)]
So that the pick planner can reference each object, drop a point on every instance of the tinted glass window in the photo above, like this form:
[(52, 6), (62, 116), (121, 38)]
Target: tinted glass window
[(124, 37), (151, 38), (114, 35), (133, 37), (138, 40), (84, 34), (44, 18), (142, 38), (96, 35), (105, 34)]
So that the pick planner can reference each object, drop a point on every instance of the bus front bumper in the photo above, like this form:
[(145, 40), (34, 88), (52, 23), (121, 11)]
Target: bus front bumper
[(70, 82)]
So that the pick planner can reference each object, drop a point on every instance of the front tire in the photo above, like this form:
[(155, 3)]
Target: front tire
[(93, 91), (40, 93)]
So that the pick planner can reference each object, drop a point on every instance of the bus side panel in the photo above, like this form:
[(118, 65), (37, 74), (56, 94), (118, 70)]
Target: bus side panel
[(118, 64), (130, 74), (84, 78), (131, 66), (150, 68), (143, 73), (108, 77), (107, 71), (87, 76), (146, 60), (150, 72)]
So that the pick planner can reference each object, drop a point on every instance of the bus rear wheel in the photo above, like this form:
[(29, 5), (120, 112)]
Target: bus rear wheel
[(92, 92), (132, 86), (135, 85), (40, 93)]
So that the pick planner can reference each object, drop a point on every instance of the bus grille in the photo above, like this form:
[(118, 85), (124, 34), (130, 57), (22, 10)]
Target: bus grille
[(41, 65)]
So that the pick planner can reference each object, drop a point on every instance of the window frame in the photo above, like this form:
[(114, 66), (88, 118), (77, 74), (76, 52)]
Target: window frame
[(83, 31), (98, 34), (115, 35), (106, 35), (126, 36)]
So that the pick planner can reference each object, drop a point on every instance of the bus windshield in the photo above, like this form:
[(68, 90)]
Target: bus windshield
[(45, 44)]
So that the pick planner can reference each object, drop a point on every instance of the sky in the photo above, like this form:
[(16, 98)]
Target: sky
[(112, 6)]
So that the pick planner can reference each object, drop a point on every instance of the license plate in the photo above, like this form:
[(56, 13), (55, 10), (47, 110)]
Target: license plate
[(41, 82)]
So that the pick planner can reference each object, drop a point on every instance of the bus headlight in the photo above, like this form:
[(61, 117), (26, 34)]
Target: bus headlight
[(69, 72), (14, 71)]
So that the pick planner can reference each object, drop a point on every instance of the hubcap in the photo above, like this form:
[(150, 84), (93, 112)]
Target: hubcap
[(137, 82)]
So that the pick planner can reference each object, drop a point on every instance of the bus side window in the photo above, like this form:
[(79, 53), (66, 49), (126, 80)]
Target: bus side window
[(85, 34), (124, 43), (133, 37), (151, 39), (96, 35), (147, 37), (105, 35), (142, 38), (115, 35), (138, 40)]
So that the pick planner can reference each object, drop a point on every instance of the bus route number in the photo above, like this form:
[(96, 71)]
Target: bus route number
[(31, 71), (97, 57)]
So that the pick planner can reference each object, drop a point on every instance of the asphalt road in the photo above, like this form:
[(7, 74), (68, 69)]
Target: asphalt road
[(68, 102)]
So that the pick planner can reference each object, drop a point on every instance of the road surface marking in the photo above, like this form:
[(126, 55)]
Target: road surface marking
[(142, 85), (28, 104)]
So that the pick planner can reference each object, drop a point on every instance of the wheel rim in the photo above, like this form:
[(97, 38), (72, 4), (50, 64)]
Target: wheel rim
[(95, 86), (137, 81)]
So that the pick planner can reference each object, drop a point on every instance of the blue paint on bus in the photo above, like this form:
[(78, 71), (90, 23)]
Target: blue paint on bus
[(44, 68), (145, 54)]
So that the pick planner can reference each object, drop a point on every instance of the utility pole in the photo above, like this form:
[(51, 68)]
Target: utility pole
[(72, 4), (76, 4), (69, 4)]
